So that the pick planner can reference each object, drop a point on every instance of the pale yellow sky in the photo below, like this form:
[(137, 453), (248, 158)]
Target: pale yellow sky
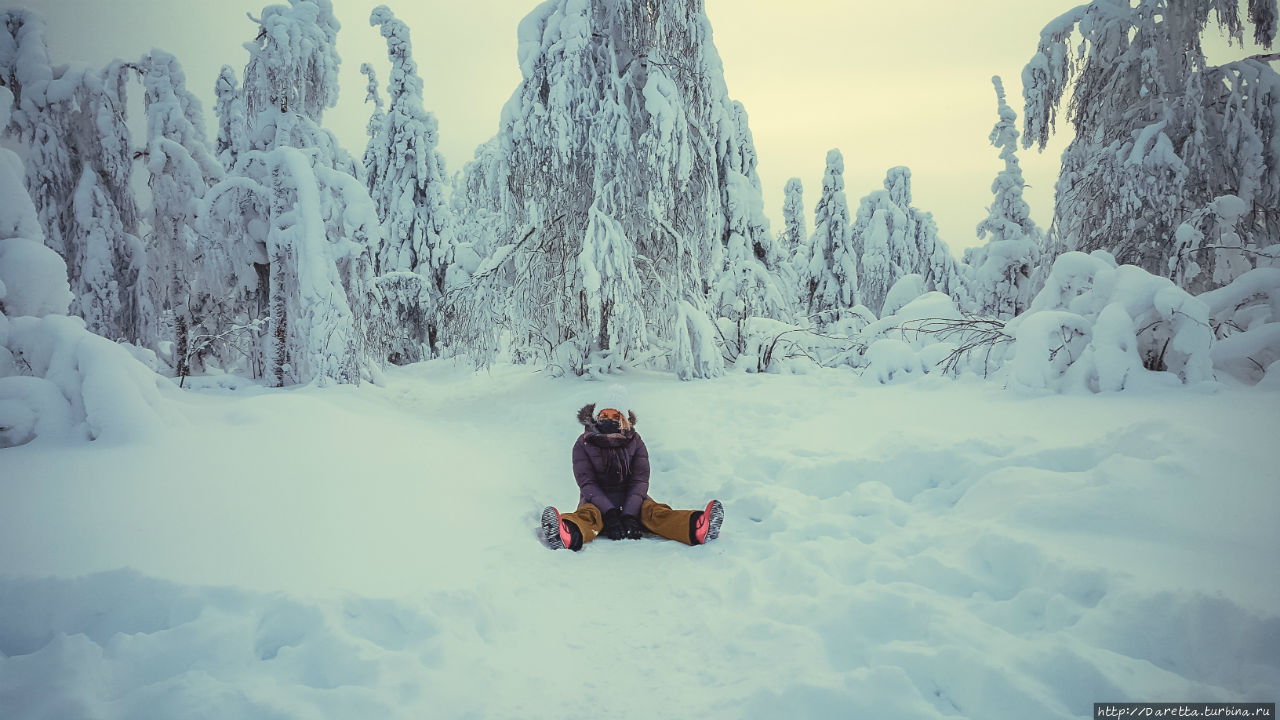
[(887, 83)]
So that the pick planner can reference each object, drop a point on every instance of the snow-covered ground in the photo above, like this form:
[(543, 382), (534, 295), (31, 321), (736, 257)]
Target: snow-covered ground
[(936, 549)]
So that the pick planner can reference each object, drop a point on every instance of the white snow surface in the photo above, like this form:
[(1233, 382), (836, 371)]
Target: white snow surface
[(940, 549)]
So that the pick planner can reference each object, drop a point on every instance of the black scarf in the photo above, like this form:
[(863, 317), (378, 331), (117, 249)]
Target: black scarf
[(617, 464)]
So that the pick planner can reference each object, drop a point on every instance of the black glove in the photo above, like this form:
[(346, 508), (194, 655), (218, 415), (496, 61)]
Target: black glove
[(631, 524), (613, 525)]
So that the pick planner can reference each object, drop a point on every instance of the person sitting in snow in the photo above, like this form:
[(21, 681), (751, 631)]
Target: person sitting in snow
[(611, 465)]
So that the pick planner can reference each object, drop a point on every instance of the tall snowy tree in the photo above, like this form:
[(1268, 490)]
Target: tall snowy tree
[(1000, 273), (1160, 134), (232, 120), (632, 187), (894, 239), (406, 180), (793, 242), (746, 285), (71, 122), (832, 270), (879, 226), (180, 169), (794, 233), (475, 314), (293, 206)]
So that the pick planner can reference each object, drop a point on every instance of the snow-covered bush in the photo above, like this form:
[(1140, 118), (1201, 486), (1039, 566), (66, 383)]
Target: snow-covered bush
[(892, 359), (918, 329), (1098, 326), (929, 325), (785, 348), (75, 384), (57, 379), (1245, 316), (1094, 327), (1047, 344)]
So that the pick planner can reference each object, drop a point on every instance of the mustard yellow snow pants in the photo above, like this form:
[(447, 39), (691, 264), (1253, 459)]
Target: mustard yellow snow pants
[(656, 518)]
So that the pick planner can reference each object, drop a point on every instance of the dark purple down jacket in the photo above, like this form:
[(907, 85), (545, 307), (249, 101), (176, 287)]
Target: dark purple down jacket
[(611, 470)]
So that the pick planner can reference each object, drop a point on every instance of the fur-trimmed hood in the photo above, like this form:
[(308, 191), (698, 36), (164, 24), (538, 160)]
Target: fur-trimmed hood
[(587, 416)]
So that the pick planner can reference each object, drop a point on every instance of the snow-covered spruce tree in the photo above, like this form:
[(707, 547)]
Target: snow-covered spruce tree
[(895, 239), (474, 314), (793, 243), (794, 233), (1159, 132), (293, 206), (71, 122), (406, 180), (746, 285), (633, 176), (232, 224), (881, 224), (180, 169), (831, 273), (407, 310), (1000, 275), (232, 120)]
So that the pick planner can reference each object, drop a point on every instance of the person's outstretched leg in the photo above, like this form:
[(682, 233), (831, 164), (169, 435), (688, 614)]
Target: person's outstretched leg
[(691, 527), (558, 534), (589, 519), (572, 530), (706, 524)]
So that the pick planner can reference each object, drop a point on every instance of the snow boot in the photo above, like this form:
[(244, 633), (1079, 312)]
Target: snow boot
[(706, 524), (559, 533)]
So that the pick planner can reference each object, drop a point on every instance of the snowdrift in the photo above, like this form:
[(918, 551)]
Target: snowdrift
[(57, 379)]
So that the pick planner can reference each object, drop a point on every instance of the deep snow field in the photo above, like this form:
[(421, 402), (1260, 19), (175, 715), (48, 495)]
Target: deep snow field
[(940, 549)]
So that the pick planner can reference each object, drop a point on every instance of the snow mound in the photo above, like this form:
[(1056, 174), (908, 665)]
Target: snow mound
[(57, 379), (906, 289), (76, 383), (1147, 326), (33, 279), (891, 359), (1245, 315)]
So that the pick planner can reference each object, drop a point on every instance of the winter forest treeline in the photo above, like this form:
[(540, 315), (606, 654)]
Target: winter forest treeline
[(616, 219)]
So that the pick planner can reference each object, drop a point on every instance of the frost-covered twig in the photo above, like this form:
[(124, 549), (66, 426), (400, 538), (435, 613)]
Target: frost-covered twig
[(725, 343), (796, 348), (1246, 251), (976, 333)]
